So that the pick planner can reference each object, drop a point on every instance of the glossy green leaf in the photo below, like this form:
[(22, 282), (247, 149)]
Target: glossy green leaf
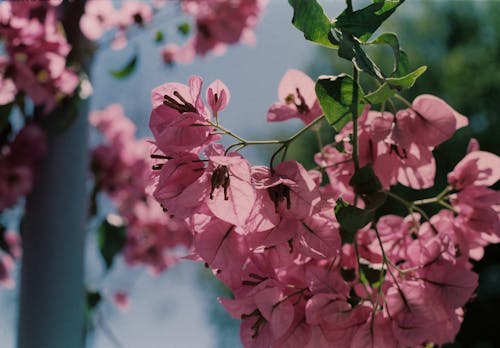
[(184, 28), (406, 81), (335, 97), (364, 22), (309, 17), (111, 239), (127, 69)]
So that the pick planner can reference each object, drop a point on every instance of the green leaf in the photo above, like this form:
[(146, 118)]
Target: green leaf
[(348, 274), (111, 238), (127, 69), (184, 28), (335, 97), (370, 276), (351, 219), (159, 36), (308, 17), (406, 81), (3, 243), (364, 63), (390, 39), (363, 23), (365, 181), (403, 65), (92, 300), (381, 94), (374, 200), (346, 47), (5, 113)]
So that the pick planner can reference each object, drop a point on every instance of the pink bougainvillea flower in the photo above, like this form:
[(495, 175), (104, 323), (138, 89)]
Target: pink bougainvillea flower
[(6, 267), (217, 96), (434, 120), (479, 168), (134, 12), (220, 245), (232, 195), (99, 17), (291, 190), (178, 119), (113, 123), (297, 99), (8, 89), (120, 299)]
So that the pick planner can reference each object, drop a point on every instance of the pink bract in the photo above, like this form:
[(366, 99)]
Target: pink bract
[(297, 99)]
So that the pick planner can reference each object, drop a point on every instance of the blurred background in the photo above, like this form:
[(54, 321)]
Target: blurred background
[(459, 41)]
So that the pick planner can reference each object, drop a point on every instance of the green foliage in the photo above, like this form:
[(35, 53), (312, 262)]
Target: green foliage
[(308, 17), (159, 36), (363, 23), (393, 84), (370, 276), (406, 81), (364, 181), (126, 70), (351, 219), (335, 97), (111, 237), (184, 28)]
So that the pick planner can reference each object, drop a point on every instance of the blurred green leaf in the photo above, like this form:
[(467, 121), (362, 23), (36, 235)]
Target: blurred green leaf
[(159, 36), (184, 28), (111, 237), (127, 69), (335, 97), (308, 17), (363, 23)]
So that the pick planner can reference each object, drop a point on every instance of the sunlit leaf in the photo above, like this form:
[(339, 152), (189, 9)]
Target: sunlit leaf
[(335, 97), (406, 81), (364, 22), (381, 94), (308, 17)]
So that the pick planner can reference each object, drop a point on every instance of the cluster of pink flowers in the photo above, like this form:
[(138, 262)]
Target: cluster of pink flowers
[(10, 251), (36, 51), (18, 161), (101, 16), (271, 234), (122, 168), (218, 23)]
